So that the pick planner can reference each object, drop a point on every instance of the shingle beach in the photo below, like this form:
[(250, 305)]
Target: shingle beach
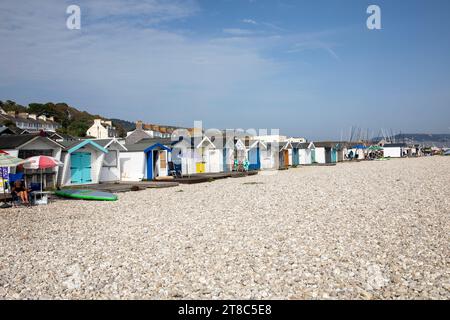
[(367, 230)]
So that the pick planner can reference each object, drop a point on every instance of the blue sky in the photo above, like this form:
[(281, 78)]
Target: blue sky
[(308, 68)]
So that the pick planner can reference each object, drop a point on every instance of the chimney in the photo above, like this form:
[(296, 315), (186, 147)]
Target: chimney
[(32, 116), (139, 125)]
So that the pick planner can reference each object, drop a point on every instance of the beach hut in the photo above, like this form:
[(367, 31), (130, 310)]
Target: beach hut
[(254, 152), (146, 160), (358, 150), (82, 162), (284, 149), (295, 158), (269, 156), (326, 152), (198, 155), (110, 170), (306, 153), (342, 151), (212, 157), (30, 145), (394, 150)]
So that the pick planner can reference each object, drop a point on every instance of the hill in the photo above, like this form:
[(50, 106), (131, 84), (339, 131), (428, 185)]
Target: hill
[(72, 120), (438, 140)]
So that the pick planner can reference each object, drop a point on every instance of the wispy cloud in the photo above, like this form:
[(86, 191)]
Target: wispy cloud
[(250, 21), (134, 58), (238, 31)]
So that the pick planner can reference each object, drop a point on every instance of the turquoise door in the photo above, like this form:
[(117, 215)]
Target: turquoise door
[(333, 156), (80, 168), (295, 157), (313, 156)]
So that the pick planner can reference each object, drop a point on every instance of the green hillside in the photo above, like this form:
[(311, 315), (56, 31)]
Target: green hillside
[(72, 120)]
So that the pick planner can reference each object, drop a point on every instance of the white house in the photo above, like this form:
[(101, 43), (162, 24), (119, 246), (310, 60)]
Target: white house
[(394, 150), (101, 129), (30, 122), (145, 160), (110, 170), (83, 161)]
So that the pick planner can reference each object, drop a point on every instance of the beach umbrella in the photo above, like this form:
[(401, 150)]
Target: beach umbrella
[(7, 161), (42, 162), (375, 148)]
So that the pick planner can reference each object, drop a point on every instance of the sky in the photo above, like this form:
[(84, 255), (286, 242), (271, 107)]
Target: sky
[(308, 68)]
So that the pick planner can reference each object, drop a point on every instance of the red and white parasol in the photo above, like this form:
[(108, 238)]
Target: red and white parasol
[(41, 162)]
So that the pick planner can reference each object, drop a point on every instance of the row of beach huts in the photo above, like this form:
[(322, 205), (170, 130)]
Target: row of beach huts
[(143, 156)]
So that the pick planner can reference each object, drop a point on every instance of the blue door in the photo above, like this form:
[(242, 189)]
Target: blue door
[(333, 156), (150, 165), (254, 159), (80, 168), (295, 157)]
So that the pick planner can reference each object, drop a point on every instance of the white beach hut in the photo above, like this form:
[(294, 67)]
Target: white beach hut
[(306, 153), (110, 170), (146, 160)]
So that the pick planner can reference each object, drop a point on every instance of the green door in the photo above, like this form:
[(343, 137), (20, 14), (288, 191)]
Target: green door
[(313, 156), (80, 168)]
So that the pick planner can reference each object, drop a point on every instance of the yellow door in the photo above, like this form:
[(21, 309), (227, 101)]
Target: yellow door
[(200, 167)]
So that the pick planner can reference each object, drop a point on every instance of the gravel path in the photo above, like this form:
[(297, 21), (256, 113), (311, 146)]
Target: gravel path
[(368, 230)]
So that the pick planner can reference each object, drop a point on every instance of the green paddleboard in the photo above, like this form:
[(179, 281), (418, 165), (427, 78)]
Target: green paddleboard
[(86, 194)]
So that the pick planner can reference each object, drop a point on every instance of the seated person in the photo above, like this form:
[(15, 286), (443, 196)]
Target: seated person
[(21, 191)]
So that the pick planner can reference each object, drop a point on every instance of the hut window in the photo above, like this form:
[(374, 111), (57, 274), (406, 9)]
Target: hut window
[(110, 159)]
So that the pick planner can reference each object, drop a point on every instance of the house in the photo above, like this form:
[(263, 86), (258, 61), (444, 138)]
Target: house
[(306, 153), (151, 131), (146, 160), (102, 129), (110, 170), (326, 152), (83, 161), (29, 145), (270, 138), (30, 122), (394, 150)]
